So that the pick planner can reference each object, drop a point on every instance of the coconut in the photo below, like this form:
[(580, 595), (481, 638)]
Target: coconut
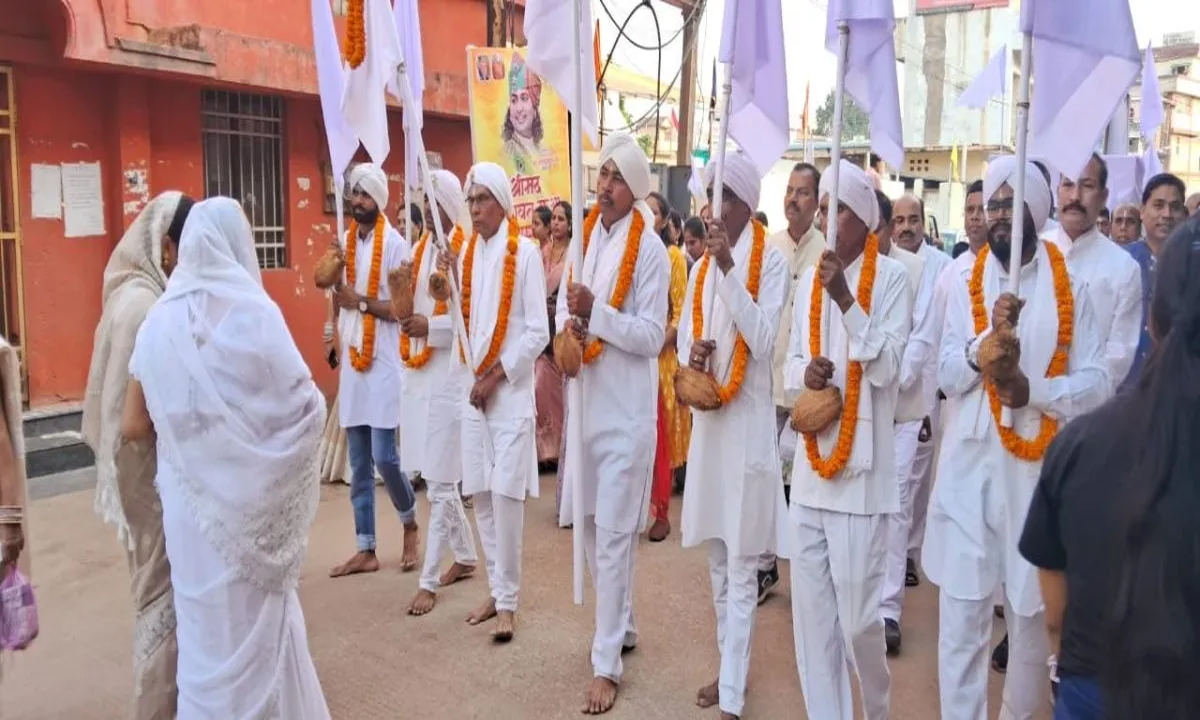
[(1000, 354), (400, 285), (816, 410), (568, 353), (697, 389), (329, 268), (439, 286)]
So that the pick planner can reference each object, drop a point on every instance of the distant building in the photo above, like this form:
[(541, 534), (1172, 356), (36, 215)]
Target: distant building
[(1178, 140)]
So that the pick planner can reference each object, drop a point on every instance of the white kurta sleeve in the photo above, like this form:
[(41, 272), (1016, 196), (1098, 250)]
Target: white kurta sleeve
[(797, 358), (758, 322), (683, 337), (640, 332), (561, 314), (441, 331), (878, 341), (955, 376), (920, 350), (517, 358), (1085, 386), (1126, 330)]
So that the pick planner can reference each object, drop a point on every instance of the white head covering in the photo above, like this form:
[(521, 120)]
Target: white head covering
[(855, 190), (492, 176), (237, 415), (629, 158), (1003, 170), (372, 180), (448, 192), (741, 176)]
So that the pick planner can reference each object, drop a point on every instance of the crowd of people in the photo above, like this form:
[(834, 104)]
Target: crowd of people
[(866, 411)]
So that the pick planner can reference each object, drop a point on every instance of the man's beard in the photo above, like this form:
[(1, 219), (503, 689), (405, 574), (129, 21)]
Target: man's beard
[(362, 216), (999, 239)]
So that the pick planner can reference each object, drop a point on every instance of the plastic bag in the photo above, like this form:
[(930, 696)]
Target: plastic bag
[(18, 612)]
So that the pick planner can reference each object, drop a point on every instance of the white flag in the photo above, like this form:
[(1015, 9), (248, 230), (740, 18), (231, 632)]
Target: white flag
[(752, 43), (364, 102), (551, 54), (408, 27), (871, 69), (988, 83), (1152, 104), (1151, 164), (331, 82), (1124, 180), (1084, 63)]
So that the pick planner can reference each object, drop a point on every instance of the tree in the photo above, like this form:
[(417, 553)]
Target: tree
[(855, 124)]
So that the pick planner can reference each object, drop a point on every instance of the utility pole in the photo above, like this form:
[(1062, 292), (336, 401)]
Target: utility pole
[(687, 83), (495, 23)]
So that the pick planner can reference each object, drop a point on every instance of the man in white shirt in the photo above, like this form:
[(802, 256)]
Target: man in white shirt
[(801, 244), (733, 495), (844, 482), (503, 291), (370, 380), (1112, 276), (622, 328), (976, 514), (430, 431)]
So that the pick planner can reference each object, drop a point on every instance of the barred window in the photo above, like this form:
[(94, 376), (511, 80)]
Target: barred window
[(243, 159)]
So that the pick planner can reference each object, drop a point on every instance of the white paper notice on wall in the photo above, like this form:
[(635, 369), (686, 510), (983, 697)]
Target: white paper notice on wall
[(83, 200), (46, 187)]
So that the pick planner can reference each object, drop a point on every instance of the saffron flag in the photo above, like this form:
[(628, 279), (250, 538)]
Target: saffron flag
[(364, 102), (331, 83), (871, 69), (552, 54), (989, 83), (752, 44), (1085, 63)]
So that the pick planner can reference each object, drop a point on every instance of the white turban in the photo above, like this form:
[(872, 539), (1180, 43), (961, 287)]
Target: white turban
[(629, 158), (855, 190), (448, 193), (371, 179), (491, 176), (1003, 170), (741, 176)]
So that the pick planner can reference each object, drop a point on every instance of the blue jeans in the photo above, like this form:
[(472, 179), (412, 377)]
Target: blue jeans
[(369, 446), (1078, 699)]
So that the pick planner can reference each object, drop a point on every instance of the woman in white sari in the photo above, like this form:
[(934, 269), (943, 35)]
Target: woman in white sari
[(238, 419)]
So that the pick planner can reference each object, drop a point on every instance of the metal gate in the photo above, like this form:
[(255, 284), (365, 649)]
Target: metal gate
[(12, 299)]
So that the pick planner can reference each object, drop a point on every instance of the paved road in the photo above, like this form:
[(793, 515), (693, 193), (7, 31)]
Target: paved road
[(376, 663)]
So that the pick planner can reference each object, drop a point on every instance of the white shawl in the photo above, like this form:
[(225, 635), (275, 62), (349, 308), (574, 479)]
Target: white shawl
[(236, 411)]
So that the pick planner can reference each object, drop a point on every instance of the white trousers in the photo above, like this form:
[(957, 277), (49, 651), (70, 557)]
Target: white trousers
[(923, 486), (766, 561), (837, 576), (964, 651), (501, 522), (735, 600), (898, 524), (610, 558), (448, 529)]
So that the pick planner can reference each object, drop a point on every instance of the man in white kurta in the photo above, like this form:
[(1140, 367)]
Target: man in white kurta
[(733, 494), (977, 511), (1113, 277), (430, 430), (840, 559), (500, 274), (619, 394), (369, 384)]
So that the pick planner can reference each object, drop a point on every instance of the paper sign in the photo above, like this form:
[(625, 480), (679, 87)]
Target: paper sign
[(83, 200), (46, 188)]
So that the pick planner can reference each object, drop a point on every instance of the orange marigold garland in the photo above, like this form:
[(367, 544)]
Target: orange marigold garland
[(418, 361), (1030, 450), (633, 243), (361, 358), (356, 34), (741, 351), (507, 284), (829, 467)]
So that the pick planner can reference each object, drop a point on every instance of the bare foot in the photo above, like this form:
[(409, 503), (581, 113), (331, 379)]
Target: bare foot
[(708, 695), (483, 613), (422, 603), (457, 572), (506, 626), (412, 545), (659, 530), (362, 562), (601, 696)]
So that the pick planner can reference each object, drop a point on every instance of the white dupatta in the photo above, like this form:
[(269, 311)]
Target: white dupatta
[(236, 411)]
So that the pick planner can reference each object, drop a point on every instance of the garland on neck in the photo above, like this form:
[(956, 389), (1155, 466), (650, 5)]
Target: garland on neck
[(418, 361), (633, 243), (361, 358), (507, 284)]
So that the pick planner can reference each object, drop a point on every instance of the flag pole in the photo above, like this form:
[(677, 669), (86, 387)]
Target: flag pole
[(835, 158), (574, 449), (1018, 224), (723, 105)]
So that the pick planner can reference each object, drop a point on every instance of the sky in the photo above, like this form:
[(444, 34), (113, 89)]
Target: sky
[(808, 61)]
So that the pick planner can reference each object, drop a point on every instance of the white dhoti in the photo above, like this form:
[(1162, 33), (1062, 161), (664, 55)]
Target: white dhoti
[(448, 529), (735, 600), (922, 470), (610, 558), (837, 579), (501, 522), (897, 524)]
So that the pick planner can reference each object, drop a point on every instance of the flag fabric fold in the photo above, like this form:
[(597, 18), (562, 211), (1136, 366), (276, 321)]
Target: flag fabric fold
[(1152, 105), (364, 102), (408, 27), (989, 83), (1084, 64), (331, 83), (1125, 174), (871, 69), (550, 53), (1151, 163), (752, 44)]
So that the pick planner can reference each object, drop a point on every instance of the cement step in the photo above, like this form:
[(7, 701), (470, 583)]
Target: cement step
[(54, 443)]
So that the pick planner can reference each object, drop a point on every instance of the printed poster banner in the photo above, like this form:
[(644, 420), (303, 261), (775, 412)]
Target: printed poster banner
[(520, 124)]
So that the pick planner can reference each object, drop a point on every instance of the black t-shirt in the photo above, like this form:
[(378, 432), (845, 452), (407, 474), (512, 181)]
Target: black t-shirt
[(1073, 526)]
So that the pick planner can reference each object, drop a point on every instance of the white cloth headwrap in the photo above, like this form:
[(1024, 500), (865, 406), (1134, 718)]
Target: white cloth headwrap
[(631, 161), (448, 192), (492, 176), (1003, 170), (373, 182), (855, 190), (741, 176), (133, 281), (234, 406)]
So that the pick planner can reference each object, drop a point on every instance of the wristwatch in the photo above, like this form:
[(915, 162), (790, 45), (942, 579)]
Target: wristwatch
[(967, 352), (362, 306)]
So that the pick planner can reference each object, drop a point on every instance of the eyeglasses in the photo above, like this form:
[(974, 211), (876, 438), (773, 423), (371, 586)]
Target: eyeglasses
[(1000, 208)]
